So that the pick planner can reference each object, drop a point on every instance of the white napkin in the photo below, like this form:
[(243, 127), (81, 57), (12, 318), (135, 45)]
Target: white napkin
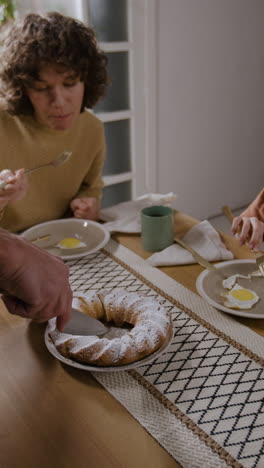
[(125, 217), (203, 238)]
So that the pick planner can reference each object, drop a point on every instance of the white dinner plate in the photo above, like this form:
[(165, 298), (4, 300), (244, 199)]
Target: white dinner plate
[(93, 234), (209, 286), (92, 367)]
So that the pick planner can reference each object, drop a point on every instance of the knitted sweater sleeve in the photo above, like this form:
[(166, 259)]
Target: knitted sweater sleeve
[(92, 184)]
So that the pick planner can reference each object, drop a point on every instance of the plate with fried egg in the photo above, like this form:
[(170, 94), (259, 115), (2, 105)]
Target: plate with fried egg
[(68, 238), (233, 291)]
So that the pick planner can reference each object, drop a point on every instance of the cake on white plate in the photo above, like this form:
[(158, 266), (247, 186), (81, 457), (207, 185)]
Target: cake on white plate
[(150, 326)]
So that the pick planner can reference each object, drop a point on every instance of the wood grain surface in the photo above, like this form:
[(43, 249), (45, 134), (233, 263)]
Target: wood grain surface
[(56, 416)]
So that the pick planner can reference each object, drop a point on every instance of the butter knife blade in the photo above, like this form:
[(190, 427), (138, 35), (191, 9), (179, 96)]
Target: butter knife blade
[(201, 260), (84, 325)]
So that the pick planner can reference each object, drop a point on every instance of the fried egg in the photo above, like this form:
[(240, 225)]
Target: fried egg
[(70, 243), (240, 298)]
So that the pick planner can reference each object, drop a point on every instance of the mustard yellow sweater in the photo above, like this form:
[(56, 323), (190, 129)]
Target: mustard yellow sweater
[(25, 143)]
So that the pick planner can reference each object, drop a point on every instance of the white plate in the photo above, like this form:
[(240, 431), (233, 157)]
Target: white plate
[(209, 286), (94, 235), (92, 367)]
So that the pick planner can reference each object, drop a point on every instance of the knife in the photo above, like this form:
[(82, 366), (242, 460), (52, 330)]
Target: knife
[(80, 324), (201, 260), (83, 324)]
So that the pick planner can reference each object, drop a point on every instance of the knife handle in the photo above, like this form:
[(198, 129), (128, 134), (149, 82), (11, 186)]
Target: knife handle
[(201, 260)]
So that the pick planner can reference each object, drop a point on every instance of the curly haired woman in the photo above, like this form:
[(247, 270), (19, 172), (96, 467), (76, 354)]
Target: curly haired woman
[(51, 73)]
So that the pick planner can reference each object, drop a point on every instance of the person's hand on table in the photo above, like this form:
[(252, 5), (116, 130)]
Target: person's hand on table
[(248, 230), (36, 283), (16, 188), (85, 208)]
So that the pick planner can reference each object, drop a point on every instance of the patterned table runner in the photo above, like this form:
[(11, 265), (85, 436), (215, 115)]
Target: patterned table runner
[(203, 399)]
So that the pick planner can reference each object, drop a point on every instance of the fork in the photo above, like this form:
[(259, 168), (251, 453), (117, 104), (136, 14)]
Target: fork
[(260, 258), (61, 159)]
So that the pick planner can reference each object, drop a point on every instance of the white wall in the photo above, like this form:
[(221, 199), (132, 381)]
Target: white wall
[(210, 127)]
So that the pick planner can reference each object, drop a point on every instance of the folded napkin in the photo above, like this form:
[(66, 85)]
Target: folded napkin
[(203, 238), (125, 217)]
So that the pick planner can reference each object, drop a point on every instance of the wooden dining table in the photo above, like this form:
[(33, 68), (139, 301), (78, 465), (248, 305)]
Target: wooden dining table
[(56, 416)]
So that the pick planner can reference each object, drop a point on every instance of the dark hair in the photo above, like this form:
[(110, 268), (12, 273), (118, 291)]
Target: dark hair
[(52, 39)]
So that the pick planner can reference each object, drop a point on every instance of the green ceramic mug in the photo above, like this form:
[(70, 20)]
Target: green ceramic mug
[(157, 227)]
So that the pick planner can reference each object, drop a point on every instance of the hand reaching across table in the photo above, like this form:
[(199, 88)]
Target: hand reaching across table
[(36, 283), (248, 230), (249, 226)]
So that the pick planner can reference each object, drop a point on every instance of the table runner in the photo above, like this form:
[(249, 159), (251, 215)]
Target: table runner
[(202, 399)]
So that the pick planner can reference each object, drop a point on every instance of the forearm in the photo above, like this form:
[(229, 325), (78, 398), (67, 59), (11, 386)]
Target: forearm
[(6, 241), (36, 283), (9, 251)]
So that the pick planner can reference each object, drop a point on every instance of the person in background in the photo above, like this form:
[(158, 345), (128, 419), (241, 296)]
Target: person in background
[(51, 73), (34, 283), (249, 226)]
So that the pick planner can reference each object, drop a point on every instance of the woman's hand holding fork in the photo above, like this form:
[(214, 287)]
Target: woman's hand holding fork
[(16, 187)]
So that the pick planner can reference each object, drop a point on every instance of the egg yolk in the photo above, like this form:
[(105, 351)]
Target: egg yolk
[(242, 294), (69, 242)]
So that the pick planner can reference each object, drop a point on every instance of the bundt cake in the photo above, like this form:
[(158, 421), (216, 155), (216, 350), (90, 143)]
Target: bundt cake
[(151, 325)]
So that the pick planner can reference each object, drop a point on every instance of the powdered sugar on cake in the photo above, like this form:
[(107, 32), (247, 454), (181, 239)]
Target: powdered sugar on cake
[(149, 319)]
